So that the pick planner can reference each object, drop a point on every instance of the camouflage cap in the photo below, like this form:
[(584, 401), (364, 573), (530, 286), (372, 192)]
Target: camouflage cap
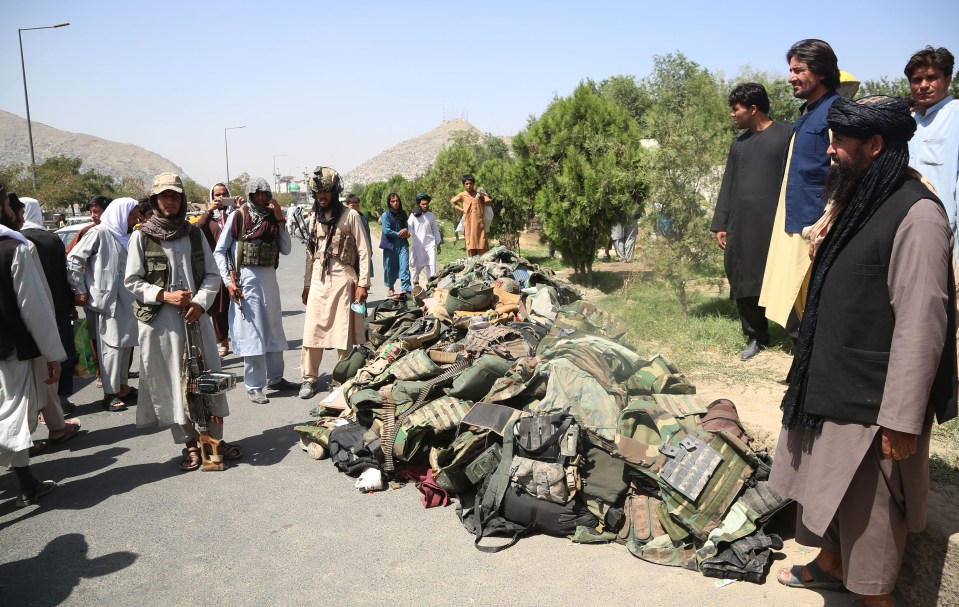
[(326, 179), (166, 181)]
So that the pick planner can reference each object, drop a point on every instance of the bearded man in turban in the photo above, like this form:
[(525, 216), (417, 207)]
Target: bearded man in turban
[(875, 361)]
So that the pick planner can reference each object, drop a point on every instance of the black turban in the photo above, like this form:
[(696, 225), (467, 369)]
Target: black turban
[(877, 114)]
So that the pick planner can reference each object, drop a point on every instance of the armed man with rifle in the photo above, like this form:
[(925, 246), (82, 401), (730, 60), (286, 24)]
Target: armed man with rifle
[(337, 276), (171, 272), (247, 255)]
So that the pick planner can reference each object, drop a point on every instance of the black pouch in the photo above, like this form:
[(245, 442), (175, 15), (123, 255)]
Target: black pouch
[(547, 438)]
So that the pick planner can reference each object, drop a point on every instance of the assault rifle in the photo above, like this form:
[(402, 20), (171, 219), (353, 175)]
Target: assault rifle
[(299, 224), (235, 279), (201, 385)]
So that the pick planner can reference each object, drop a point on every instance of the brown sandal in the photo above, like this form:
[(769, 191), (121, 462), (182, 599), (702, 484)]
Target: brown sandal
[(190, 460)]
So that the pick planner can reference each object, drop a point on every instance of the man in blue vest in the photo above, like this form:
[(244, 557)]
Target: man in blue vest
[(814, 76)]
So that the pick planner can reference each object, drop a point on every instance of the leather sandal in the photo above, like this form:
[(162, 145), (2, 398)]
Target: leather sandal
[(231, 451), (190, 460)]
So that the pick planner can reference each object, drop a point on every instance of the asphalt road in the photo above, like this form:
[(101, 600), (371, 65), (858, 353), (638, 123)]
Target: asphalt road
[(127, 527)]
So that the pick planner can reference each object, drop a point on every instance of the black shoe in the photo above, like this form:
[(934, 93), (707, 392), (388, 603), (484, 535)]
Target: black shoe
[(283, 386), (25, 498), (752, 349)]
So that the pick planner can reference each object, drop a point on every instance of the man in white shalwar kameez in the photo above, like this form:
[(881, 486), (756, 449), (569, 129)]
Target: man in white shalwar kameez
[(426, 238), (256, 232), (95, 270), (171, 272), (30, 352)]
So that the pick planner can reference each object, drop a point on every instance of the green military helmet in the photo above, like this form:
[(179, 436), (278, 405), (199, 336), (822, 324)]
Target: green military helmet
[(326, 179)]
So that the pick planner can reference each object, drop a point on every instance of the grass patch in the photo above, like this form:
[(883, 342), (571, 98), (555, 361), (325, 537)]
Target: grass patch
[(708, 341)]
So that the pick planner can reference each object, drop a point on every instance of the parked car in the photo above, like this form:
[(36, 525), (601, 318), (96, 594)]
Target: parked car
[(67, 233)]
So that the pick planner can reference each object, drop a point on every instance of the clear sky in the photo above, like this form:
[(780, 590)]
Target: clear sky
[(335, 83)]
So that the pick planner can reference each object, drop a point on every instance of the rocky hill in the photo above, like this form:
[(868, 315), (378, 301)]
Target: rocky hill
[(108, 157), (411, 158)]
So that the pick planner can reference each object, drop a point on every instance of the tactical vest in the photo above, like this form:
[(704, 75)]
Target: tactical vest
[(850, 357), (158, 270), (256, 252)]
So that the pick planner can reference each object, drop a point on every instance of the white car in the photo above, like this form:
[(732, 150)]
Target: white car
[(67, 233)]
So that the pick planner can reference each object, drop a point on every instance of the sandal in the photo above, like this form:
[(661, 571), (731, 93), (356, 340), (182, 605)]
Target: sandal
[(38, 447), (68, 409), (820, 579), (190, 460), (130, 396), (113, 404), (230, 450), (69, 431)]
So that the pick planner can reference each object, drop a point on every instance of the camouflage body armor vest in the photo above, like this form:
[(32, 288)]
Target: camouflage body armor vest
[(158, 270), (259, 253), (255, 252)]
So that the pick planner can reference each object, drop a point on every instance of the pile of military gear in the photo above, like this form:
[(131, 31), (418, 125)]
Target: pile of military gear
[(497, 385)]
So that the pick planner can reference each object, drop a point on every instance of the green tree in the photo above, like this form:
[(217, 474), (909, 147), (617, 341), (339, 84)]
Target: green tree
[(60, 184), (625, 91), (443, 179), (581, 161), (237, 187), (892, 87), (131, 187), (783, 105), (511, 210), (689, 120)]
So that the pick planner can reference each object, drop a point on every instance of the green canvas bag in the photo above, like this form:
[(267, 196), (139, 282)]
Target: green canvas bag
[(473, 383)]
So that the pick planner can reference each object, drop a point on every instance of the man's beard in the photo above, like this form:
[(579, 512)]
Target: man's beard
[(842, 181)]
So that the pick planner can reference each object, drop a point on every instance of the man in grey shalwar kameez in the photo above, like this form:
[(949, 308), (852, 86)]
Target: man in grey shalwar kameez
[(875, 361), (254, 238), (95, 270), (30, 352), (171, 272)]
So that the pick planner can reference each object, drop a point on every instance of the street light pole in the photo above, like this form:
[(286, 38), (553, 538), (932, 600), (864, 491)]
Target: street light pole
[(26, 99), (276, 176), (226, 146)]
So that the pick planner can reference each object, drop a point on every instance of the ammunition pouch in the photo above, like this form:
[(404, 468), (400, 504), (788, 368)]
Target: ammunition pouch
[(260, 254), (344, 249)]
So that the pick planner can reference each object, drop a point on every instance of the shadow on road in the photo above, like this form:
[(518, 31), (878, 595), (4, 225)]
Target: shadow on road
[(21, 582), (269, 447)]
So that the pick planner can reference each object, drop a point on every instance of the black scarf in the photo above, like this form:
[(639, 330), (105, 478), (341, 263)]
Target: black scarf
[(886, 116), (336, 209)]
